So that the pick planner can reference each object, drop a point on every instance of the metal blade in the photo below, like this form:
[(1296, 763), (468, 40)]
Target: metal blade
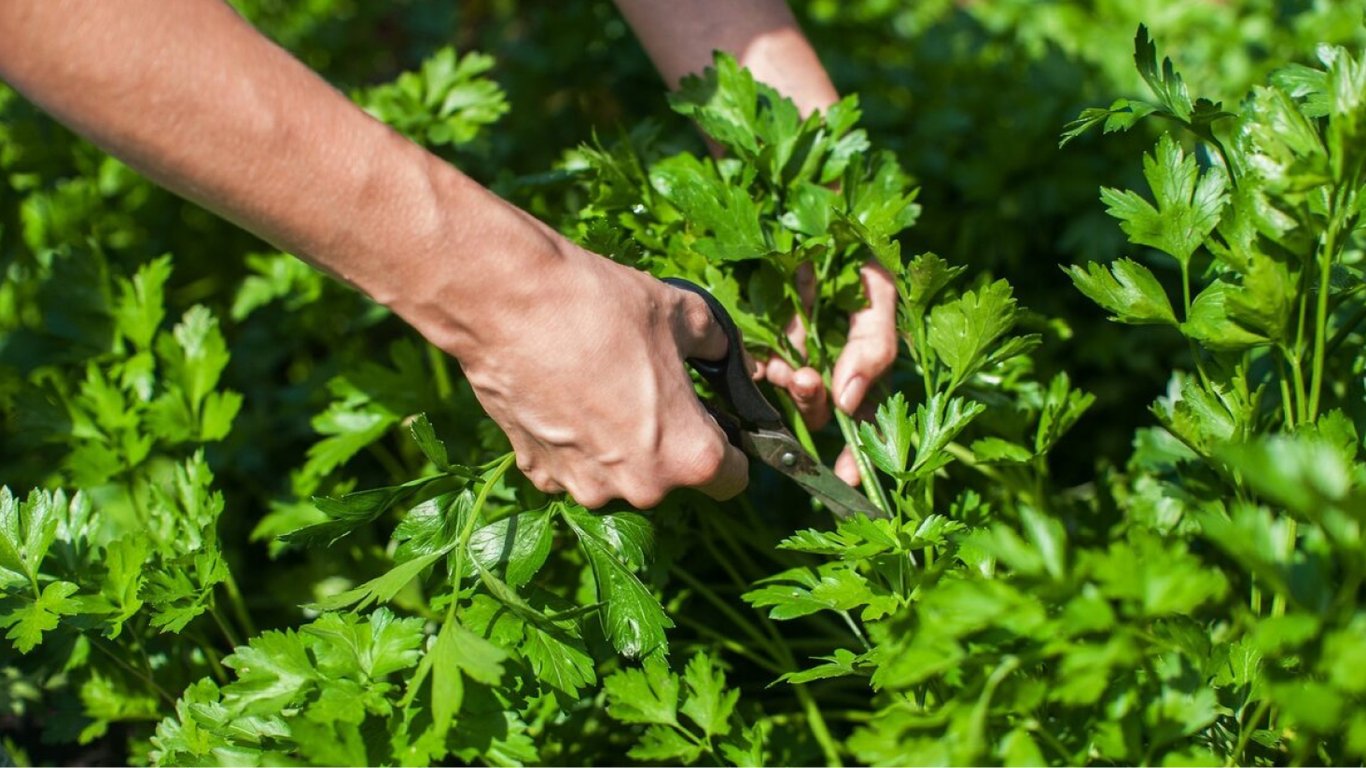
[(780, 450)]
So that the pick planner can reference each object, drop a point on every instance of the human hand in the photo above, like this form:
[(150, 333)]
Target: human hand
[(587, 379), (869, 353)]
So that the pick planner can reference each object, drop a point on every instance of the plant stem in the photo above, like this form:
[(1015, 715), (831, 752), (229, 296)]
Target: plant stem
[(1326, 258), (390, 462), (1287, 400), (239, 605), (871, 485), (223, 626), (729, 644), (794, 417), (725, 608), (458, 563), (98, 643), (1245, 730), (441, 374)]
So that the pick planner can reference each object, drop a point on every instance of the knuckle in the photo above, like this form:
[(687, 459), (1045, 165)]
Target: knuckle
[(703, 465), (645, 498), (591, 498)]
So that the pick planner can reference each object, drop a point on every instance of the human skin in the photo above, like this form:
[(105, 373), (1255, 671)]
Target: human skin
[(765, 38), (578, 359)]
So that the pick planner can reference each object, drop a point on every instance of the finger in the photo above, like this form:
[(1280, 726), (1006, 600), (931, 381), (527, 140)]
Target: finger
[(731, 478), (755, 367), (719, 469), (846, 467), (806, 290), (696, 330), (872, 344), (779, 373), (808, 393)]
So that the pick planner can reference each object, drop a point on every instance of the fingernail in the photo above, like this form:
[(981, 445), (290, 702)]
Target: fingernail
[(852, 394)]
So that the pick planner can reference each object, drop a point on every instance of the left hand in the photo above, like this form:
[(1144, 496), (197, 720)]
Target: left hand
[(867, 356)]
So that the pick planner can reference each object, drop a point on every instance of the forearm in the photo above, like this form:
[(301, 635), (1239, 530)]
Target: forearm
[(191, 95), (680, 36)]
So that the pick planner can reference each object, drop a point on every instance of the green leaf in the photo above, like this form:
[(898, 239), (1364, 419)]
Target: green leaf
[(616, 545), (1159, 578), (273, 669), (963, 331), (1344, 656), (183, 589), (1062, 407), (194, 354), (940, 419), (381, 588), (659, 744), (432, 448), (446, 102), (994, 450), (644, 695), (29, 621), (724, 216), (1211, 323), (448, 687), (347, 513), (563, 663), (1303, 473), (518, 544), (923, 280), (141, 305), (27, 529), (1188, 203), (365, 649), (889, 446), (1127, 290), (708, 703), (1199, 417), (842, 663), (1049, 540)]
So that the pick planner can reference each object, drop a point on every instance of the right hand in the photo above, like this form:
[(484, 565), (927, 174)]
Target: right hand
[(588, 381)]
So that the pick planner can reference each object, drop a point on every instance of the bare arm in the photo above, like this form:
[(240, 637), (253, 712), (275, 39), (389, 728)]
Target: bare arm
[(680, 36), (590, 389)]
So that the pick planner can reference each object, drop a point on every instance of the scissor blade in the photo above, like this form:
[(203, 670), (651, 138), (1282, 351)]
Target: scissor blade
[(780, 450)]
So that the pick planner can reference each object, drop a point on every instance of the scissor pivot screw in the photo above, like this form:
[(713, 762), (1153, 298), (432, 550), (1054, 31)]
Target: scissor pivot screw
[(789, 459)]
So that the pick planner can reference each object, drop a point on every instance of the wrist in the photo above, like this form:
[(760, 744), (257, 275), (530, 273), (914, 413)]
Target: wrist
[(456, 260)]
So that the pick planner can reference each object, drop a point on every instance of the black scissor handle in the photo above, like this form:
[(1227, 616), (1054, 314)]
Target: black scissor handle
[(728, 377)]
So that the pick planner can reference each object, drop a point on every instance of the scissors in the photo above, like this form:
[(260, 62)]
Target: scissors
[(753, 425)]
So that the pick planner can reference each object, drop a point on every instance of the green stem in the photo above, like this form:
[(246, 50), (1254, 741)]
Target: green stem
[(1245, 730), (98, 643), (1345, 330), (725, 608), (1278, 602), (458, 561), (729, 644), (223, 627), (1287, 400), (1301, 396), (1326, 257), (1186, 289), (794, 417), (239, 605), (871, 485), (441, 374), (387, 460), (858, 633), (816, 722), (215, 664)]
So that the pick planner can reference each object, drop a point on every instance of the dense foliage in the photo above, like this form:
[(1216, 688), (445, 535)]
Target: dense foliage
[(249, 518)]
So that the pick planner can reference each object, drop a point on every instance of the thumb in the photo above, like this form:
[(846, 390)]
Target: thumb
[(695, 329)]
